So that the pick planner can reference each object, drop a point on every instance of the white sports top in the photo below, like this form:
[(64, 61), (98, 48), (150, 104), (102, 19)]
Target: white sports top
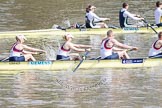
[(128, 14), (153, 50), (104, 50), (63, 52), (92, 17), (158, 15), (15, 52)]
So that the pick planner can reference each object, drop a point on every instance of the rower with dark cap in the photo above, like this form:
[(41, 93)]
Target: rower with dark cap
[(124, 15), (158, 14), (19, 51)]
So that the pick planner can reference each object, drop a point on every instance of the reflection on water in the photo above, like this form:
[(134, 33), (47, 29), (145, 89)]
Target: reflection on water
[(120, 88)]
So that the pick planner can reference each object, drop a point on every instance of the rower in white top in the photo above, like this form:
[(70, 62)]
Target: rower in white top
[(64, 52), (21, 52), (109, 48), (124, 15), (94, 21), (158, 14), (156, 48)]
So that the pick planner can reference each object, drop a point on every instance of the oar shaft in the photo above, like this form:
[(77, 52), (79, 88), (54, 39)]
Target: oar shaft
[(84, 57), (150, 26), (4, 59)]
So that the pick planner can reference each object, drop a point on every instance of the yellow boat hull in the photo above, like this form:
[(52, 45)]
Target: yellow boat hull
[(87, 64), (49, 32)]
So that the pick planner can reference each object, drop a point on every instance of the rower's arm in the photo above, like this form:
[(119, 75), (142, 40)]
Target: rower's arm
[(117, 49), (132, 16), (28, 52), (97, 18), (121, 45), (75, 48), (82, 46), (32, 49)]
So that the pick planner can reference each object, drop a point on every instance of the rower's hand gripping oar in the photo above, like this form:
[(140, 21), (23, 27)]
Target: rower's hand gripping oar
[(150, 26), (83, 58)]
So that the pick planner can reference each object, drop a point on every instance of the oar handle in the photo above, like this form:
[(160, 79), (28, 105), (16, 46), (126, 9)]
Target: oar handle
[(85, 55), (132, 49), (5, 59), (83, 58)]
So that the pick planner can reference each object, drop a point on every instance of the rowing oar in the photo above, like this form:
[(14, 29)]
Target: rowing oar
[(150, 26), (83, 58), (5, 59)]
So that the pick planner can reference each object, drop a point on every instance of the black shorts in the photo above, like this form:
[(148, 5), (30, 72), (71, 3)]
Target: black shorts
[(159, 25), (113, 56), (88, 25), (17, 59), (61, 57)]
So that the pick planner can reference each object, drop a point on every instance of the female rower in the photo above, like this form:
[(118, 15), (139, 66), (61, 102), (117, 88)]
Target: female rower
[(19, 51), (92, 20), (156, 48), (108, 51), (64, 51)]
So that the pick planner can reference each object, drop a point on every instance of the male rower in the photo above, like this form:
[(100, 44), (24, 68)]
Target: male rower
[(92, 20), (21, 52), (124, 15), (109, 51), (158, 14), (68, 46), (156, 48)]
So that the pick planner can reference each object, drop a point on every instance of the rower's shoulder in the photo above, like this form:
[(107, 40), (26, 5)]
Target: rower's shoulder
[(160, 41)]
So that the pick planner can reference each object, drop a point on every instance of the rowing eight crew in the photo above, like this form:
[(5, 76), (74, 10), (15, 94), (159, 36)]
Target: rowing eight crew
[(94, 21), (110, 49)]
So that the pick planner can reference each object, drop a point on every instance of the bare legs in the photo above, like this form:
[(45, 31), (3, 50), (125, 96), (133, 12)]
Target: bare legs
[(75, 56), (29, 57), (123, 55)]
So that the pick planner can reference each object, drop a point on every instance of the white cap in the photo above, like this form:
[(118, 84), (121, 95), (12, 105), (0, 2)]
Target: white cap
[(93, 7), (21, 36), (69, 35)]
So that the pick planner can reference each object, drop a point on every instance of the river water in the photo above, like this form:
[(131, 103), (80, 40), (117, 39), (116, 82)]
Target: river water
[(96, 88)]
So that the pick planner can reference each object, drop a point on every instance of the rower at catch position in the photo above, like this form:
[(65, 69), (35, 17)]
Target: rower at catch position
[(109, 51), (124, 15), (68, 46), (19, 51), (92, 20), (156, 48), (158, 14)]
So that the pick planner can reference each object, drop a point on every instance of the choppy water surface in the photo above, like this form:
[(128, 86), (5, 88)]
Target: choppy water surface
[(93, 88)]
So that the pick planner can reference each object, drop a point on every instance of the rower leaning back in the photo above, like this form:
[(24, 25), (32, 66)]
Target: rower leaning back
[(21, 52), (64, 52), (92, 20), (124, 15), (109, 51)]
